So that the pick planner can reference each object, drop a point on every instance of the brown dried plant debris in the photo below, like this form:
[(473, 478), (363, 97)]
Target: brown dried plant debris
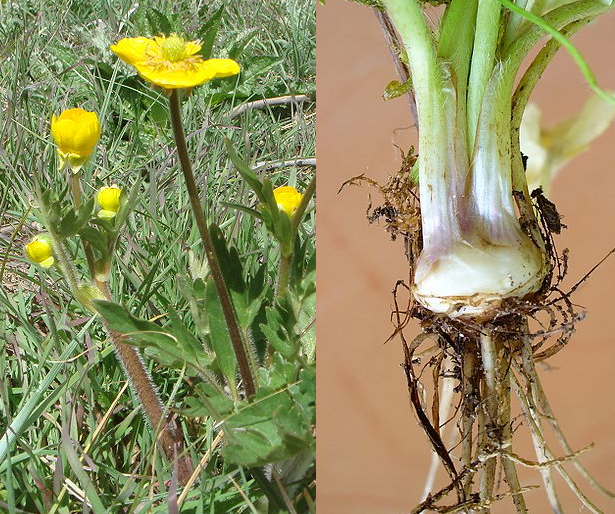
[(400, 208)]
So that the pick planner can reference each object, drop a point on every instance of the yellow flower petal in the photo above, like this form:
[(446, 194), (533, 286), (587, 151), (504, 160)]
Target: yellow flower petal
[(287, 198), (192, 47), (176, 77), (223, 67), (132, 49)]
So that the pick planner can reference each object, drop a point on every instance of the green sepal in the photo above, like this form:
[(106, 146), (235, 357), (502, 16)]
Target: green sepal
[(127, 204)]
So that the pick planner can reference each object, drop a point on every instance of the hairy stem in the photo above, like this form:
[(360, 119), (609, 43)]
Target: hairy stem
[(239, 346), (169, 438)]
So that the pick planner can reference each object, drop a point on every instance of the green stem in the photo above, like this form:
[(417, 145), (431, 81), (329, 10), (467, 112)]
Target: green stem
[(284, 275), (557, 18), (287, 260), (223, 293), (483, 57), (76, 192)]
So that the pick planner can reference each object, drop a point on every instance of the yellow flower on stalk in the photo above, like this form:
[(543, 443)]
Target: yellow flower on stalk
[(108, 198), (287, 198), (76, 132), (172, 62), (40, 251)]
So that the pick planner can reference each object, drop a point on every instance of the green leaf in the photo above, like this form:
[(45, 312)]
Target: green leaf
[(280, 328), (395, 89), (229, 261), (171, 349), (209, 30), (278, 423), (97, 238), (208, 402), (239, 46), (219, 336), (243, 208), (246, 173), (73, 221), (158, 22), (259, 65)]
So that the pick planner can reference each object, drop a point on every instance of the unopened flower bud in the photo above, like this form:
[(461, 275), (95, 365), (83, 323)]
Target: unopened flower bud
[(287, 198), (108, 199), (40, 251), (76, 132)]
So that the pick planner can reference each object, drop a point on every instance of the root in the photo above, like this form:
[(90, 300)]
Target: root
[(491, 359)]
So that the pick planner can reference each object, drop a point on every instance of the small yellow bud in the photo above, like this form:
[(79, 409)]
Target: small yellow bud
[(108, 199), (287, 198), (76, 133), (40, 251)]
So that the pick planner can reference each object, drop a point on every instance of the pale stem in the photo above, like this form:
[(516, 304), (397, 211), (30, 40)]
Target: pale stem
[(436, 106), (468, 414), (445, 406), (510, 470), (490, 417), (542, 453)]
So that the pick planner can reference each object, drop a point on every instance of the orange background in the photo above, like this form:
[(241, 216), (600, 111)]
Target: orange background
[(372, 457)]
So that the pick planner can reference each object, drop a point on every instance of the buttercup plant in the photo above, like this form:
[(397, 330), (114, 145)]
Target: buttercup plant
[(238, 351), (483, 263)]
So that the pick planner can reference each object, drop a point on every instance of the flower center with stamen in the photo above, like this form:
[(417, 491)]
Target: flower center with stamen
[(173, 48)]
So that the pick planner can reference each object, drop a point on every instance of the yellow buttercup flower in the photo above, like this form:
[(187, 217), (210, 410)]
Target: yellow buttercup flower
[(40, 251), (108, 199), (172, 62), (76, 133), (287, 198)]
